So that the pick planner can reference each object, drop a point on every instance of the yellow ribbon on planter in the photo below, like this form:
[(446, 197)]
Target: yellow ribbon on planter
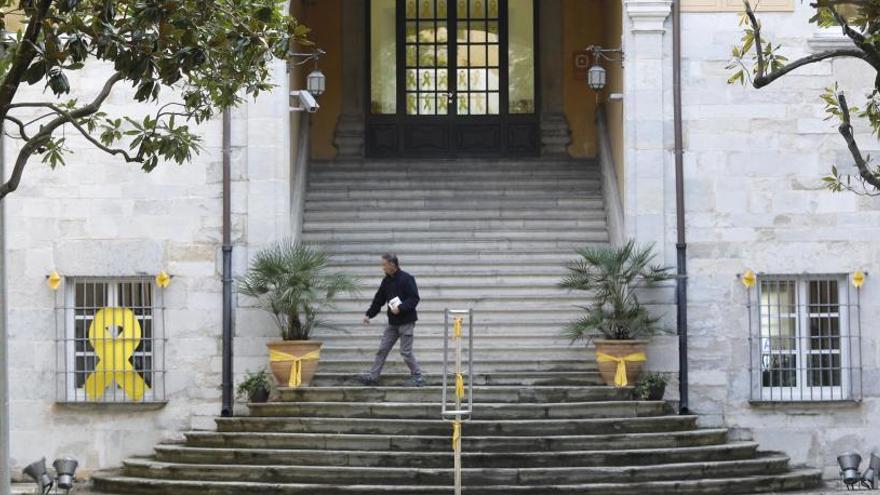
[(459, 385), (113, 354), (620, 376), (456, 327), (456, 435), (295, 379)]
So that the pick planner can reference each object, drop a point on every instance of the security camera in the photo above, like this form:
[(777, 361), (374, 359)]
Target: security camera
[(306, 102)]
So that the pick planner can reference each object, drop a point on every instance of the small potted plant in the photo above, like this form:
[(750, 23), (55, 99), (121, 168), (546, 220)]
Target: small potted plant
[(611, 275), (652, 386), (291, 282), (255, 387)]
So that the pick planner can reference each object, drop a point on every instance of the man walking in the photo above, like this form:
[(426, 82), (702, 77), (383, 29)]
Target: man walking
[(399, 291)]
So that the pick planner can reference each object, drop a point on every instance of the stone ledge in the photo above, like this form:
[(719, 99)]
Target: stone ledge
[(112, 406), (805, 405)]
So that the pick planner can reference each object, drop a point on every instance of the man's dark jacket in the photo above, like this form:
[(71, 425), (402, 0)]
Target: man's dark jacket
[(402, 285)]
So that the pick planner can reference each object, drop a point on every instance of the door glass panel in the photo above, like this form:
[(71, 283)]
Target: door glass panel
[(383, 56), (478, 57), (427, 59), (521, 56)]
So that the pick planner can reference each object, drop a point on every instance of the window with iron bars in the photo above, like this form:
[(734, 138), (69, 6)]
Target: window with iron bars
[(805, 338), (110, 340)]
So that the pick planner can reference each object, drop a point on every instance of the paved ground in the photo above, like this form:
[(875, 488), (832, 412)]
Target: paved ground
[(832, 488)]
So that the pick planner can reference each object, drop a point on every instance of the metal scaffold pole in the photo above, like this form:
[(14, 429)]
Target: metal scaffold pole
[(460, 413)]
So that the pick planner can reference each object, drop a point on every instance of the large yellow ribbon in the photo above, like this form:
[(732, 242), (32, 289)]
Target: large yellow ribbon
[(113, 354), (456, 435), (620, 376), (295, 379), (456, 327), (459, 385)]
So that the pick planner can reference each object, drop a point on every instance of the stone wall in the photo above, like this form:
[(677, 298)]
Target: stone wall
[(753, 163), (98, 216)]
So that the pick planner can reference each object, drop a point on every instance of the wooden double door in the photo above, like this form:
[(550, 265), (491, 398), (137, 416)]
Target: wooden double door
[(453, 82)]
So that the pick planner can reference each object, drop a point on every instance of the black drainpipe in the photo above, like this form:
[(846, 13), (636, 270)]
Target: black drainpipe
[(226, 410), (681, 243)]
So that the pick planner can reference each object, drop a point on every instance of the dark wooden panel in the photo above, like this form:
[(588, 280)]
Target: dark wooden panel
[(479, 139), (382, 140), (523, 138), (424, 139)]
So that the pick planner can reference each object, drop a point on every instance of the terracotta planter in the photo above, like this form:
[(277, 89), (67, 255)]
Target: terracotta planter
[(282, 368), (619, 349)]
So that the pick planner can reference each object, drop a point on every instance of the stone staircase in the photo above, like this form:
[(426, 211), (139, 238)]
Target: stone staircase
[(492, 236)]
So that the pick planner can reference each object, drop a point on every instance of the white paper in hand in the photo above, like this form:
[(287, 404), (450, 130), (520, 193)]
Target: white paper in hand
[(394, 303)]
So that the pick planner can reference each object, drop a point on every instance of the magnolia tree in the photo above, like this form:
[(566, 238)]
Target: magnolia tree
[(207, 55), (759, 61)]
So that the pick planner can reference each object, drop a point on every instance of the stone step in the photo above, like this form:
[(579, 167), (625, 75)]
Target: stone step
[(464, 192), (774, 464), (440, 245), (439, 443), (423, 166), (428, 327), (523, 379), (475, 206), (428, 185), (391, 223), (434, 340), (435, 235), (557, 258), (433, 394), (369, 268), (487, 211), (793, 480), (443, 459), (436, 426), (395, 365), (439, 174), (485, 411), (480, 354)]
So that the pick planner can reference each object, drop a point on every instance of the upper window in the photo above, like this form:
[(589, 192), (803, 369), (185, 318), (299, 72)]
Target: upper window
[(111, 347), (805, 339)]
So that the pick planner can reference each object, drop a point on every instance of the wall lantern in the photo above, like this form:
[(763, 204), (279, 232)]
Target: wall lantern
[(316, 82), (597, 76), (305, 100)]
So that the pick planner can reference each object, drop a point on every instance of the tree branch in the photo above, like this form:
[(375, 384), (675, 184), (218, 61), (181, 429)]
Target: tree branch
[(21, 127), (45, 133), (858, 38), (23, 57), (845, 129), (764, 80)]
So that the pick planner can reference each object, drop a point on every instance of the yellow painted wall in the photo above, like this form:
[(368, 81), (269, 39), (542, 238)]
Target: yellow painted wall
[(583, 25), (612, 14), (324, 17)]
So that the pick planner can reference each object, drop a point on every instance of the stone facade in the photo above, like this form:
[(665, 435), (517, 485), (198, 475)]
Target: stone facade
[(99, 217), (754, 200)]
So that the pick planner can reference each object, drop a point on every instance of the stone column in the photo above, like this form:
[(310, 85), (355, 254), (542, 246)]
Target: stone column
[(647, 106), (555, 133), (349, 138)]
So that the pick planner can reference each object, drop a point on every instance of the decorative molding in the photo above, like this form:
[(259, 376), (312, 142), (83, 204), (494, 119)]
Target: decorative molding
[(735, 6), (828, 39), (648, 15)]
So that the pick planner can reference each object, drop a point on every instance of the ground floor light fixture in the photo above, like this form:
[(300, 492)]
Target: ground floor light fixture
[(65, 469)]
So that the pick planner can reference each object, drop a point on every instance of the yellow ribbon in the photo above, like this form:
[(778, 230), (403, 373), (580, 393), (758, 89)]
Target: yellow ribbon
[(456, 327), (620, 376), (459, 385), (113, 354), (456, 435), (295, 379)]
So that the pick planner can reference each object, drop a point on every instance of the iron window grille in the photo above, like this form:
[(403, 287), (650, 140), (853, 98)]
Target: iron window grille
[(804, 339), (110, 340)]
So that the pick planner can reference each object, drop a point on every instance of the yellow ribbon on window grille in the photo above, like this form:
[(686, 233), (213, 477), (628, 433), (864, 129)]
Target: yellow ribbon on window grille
[(620, 375), (456, 435), (113, 354), (295, 379)]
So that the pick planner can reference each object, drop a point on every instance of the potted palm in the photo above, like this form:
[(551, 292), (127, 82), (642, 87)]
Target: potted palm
[(291, 282), (612, 275)]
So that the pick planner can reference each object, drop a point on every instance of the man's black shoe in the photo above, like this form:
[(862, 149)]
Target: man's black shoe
[(367, 380), (415, 381)]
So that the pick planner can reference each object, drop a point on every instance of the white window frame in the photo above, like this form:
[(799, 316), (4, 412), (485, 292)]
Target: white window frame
[(802, 316), (112, 394)]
